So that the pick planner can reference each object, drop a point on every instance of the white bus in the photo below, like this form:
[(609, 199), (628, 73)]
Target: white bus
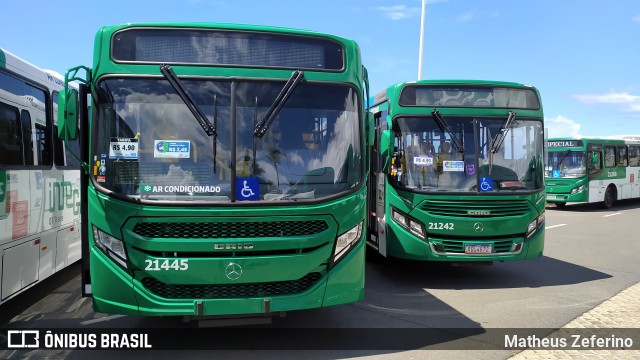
[(592, 169), (39, 179)]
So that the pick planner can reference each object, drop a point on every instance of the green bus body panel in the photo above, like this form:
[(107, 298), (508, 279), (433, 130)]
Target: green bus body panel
[(115, 291), (3, 59), (119, 291), (403, 244)]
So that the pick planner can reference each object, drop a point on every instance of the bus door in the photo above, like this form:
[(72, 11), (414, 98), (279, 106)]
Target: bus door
[(376, 188)]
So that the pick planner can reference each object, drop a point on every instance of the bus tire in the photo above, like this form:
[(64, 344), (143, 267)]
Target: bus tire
[(609, 197)]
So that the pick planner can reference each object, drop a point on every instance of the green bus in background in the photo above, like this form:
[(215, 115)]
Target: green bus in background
[(589, 169), (225, 169), (457, 172)]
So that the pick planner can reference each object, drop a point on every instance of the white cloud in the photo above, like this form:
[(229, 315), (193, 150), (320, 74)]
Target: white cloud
[(628, 101), (636, 18), (474, 15), (466, 17), (399, 12), (561, 126)]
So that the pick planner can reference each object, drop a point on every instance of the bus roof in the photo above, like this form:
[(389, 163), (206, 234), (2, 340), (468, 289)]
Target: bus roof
[(27, 70), (397, 87)]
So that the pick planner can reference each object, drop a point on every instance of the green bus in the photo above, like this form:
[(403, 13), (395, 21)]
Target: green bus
[(457, 172), (590, 170), (225, 169)]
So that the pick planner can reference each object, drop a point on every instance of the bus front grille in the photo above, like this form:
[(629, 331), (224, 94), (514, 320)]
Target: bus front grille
[(230, 291), (229, 230), (476, 208)]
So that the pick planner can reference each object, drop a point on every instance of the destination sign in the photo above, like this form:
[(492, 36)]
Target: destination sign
[(564, 143)]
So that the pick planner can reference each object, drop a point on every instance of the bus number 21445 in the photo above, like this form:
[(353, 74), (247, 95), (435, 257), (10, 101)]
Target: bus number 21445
[(157, 265)]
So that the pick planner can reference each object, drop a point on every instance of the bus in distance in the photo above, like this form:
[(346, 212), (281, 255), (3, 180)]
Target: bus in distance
[(457, 172), (226, 169), (39, 179), (592, 170)]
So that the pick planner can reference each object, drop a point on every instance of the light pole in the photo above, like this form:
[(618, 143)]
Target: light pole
[(421, 41)]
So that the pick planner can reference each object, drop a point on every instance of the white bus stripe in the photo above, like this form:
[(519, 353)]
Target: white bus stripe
[(553, 226)]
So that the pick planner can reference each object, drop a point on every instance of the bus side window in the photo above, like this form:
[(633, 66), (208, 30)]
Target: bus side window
[(609, 156), (634, 155), (622, 156), (26, 137), (43, 148), (10, 142)]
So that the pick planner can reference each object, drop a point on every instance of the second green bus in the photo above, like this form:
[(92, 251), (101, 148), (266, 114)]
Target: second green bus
[(457, 172)]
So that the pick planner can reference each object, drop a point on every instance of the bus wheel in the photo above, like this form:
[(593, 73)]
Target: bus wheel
[(561, 204), (607, 203)]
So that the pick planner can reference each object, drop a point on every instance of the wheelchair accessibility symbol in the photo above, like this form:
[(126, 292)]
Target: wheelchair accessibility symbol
[(486, 184), (247, 189)]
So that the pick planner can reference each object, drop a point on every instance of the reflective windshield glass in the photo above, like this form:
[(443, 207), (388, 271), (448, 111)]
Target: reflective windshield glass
[(147, 143), (427, 159), (565, 164)]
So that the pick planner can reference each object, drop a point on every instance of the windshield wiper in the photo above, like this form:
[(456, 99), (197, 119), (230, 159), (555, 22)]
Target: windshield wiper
[(175, 82), (444, 127), (503, 132), (215, 135), (282, 97)]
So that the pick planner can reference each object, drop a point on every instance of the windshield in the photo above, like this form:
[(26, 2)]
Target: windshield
[(425, 159), (565, 163), (147, 143)]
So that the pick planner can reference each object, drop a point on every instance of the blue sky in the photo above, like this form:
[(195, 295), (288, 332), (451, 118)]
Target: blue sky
[(583, 55)]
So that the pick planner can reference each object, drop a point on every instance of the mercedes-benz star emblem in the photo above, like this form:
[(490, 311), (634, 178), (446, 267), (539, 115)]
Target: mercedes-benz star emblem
[(233, 271), (478, 227)]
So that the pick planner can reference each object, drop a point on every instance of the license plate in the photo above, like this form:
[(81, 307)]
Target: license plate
[(477, 249), (551, 196)]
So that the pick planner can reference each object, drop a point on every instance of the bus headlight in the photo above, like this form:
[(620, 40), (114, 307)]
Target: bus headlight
[(414, 226), (400, 218), (535, 225), (113, 247), (577, 190), (346, 241)]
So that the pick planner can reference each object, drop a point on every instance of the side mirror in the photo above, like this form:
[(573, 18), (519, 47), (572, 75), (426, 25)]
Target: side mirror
[(68, 115)]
